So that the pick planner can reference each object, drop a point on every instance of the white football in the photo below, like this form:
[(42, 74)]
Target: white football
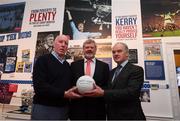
[(84, 84)]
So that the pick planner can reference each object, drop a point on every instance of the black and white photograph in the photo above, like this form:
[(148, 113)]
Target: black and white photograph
[(133, 56), (44, 43), (85, 19), (145, 95)]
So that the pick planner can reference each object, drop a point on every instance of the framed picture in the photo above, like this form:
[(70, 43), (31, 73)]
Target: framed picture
[(19, 67), (154, 70), (133, 56), (28, 67), (25, 55), (10, 64)]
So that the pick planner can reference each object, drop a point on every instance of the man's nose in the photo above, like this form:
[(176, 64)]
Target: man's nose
[(89, 49), (63, 44), (116, 54)]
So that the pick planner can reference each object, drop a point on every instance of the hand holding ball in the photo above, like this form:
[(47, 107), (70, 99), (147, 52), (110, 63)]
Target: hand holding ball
[(84, 84)]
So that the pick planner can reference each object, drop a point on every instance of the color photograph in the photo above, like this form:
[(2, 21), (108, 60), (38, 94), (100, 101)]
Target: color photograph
[(87, 19), (19, 67), (25, 55), (11, 16), (160, 18), (7, 51), (10, 64)]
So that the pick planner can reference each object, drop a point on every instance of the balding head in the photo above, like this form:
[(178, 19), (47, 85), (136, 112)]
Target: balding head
[(61, 45), (124, 46), (65, 37), (120, 52)]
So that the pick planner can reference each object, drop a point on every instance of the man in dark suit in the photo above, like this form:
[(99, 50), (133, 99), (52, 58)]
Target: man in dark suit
[(124, 87), (88, 108)]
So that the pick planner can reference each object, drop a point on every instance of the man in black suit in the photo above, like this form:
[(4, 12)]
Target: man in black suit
[(88, 108), (124, 87)]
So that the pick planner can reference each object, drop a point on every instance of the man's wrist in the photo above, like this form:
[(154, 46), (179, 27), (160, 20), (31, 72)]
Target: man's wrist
[(102, 93)]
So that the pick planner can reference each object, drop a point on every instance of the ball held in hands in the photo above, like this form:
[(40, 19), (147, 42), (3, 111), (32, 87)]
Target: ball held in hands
[(84, 84)]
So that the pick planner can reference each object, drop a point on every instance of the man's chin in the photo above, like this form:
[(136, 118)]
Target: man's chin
[(61, 54), (89, 56)]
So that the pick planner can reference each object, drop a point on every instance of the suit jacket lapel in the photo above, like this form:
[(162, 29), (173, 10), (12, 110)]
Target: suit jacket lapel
[(96, 69), (82, 67), (123, 71), (111, 76)]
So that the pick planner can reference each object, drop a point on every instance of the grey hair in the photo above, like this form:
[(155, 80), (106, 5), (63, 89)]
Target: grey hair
[(125, 46), (89, 41)]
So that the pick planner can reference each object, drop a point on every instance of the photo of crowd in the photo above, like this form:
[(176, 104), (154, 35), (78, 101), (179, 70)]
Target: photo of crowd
[(160, 18)]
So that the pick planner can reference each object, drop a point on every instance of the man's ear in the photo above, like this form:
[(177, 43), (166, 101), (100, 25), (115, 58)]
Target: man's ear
[(96, 49), (127, 54)]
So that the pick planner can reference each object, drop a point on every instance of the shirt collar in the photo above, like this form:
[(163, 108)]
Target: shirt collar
[(124, 63), (61, 60), (93, 60)]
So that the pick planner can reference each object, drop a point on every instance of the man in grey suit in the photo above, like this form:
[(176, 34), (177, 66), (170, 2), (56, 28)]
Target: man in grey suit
[(124, 87)]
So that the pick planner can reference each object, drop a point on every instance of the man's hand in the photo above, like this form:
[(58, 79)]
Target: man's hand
[(96, 92), (72, 93)]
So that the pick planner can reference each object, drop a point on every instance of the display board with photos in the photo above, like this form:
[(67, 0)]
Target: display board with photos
[(25, 28)]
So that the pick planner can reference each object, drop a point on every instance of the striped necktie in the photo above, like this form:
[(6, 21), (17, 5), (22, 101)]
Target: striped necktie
[(117, 71), (88, 67)]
